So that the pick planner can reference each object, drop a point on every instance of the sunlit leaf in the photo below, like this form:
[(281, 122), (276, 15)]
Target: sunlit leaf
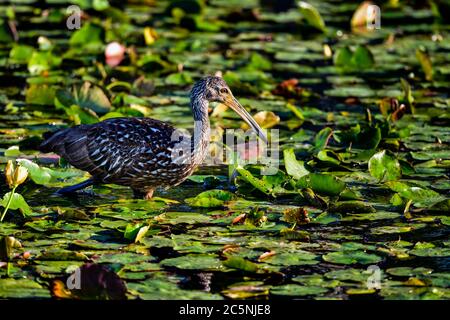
[(87, 96), (384, 166), (135, 232), (89, 34), (240, 264), (12, 151), (211, 198), (22, 288), (362, 58), (425, 62), (21, 53), (322, 184), (297, 290), (266, 119), (294, 167), (421, 196), (17, 203), (312, 15)]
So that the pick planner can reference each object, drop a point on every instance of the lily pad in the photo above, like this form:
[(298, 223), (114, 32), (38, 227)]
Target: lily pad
[(194, 262), (297, 290), (312, 15), (351, 257), (211, 199), (22, 288), (182, 217), (294, 167), (16, 202), (296, 258), (322, 184), (422, 197), (240, 264), (384, 166)]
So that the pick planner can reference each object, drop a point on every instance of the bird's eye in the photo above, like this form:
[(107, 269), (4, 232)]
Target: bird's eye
[(223, 90)]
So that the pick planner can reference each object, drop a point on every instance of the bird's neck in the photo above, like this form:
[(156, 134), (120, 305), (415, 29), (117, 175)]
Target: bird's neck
[(201, 130)]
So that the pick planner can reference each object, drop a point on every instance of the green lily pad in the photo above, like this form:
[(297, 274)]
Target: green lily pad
[(43, 175), (182, 217), (356, 275), (294, 167), (211, 199), (422, 197), (87, 96), (12, 151), (402, 228), (316, 280), (297, 258), (126, 258), (326, 217), (158, 289), (384, 166), (22, 288), (297, 290), (312, 15), (379, 215), (408, 271), (245, 290), (431, 252), (322, 184), (241, 264), (194, 262), (135, 232), (61, 254), (322, 138), (259, 184), (351, 257), (352, 206), (17, 203)]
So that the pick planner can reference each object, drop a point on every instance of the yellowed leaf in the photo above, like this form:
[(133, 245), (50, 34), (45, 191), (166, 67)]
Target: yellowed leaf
[(327, 52), (415, 282), (266, 119), (141, 233), (150, 35), (59, 290), (219, 110), (266, 255)]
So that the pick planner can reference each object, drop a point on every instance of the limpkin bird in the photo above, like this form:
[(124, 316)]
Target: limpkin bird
[(144, 153)]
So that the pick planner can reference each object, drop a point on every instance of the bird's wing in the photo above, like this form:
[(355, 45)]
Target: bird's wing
[(112, 147)]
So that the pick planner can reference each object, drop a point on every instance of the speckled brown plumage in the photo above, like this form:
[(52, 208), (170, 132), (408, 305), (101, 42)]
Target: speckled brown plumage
[(141, 153)]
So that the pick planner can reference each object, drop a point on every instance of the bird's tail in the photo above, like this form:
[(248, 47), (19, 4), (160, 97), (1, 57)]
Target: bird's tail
[(53, 141), (76, 187)]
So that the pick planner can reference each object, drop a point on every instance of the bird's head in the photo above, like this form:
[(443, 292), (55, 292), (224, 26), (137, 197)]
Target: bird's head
[(215, 89)]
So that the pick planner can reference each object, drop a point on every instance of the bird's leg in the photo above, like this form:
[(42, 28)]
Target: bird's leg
[(76, 187), (149, 194), (146, 194)]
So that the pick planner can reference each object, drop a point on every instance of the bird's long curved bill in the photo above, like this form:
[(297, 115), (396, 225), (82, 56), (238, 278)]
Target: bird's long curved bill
[(239, 109)]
